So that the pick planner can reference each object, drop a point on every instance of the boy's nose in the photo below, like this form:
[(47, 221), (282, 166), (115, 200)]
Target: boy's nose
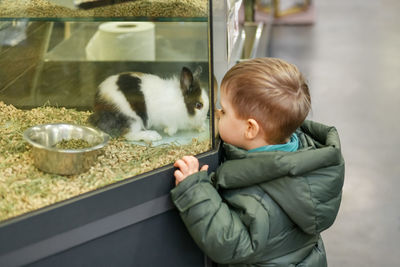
[(217, 113)]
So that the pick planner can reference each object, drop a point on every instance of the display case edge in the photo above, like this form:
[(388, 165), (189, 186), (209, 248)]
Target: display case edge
[(57, 228)]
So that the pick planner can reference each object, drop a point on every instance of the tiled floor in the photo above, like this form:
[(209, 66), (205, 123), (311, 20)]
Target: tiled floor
[(351, 57)]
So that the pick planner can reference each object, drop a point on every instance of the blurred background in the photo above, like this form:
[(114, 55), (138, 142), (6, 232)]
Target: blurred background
[(350, 54)]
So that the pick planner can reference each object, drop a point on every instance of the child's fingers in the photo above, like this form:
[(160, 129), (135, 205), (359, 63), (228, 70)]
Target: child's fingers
[(187, 166), (204, 168), (192, 162), (180, 164), (178, 175)]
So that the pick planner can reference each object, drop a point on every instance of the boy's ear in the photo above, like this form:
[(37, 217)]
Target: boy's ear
[(252, 129)]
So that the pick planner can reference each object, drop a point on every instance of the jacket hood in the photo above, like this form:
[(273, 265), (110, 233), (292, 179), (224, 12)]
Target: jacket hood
[(306, 184)]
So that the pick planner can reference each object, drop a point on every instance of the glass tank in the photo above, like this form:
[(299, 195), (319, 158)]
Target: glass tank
[(138, 71)]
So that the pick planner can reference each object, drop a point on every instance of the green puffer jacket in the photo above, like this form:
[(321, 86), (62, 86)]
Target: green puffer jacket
[(267, 208)]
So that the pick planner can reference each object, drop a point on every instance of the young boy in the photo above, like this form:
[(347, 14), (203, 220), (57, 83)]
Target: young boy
[(281, 182)]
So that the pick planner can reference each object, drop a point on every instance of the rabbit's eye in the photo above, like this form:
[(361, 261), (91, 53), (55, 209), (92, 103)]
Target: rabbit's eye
[(199, 105)]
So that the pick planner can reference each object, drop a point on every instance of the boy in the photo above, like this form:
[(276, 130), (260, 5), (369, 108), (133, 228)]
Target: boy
[(280, 184)]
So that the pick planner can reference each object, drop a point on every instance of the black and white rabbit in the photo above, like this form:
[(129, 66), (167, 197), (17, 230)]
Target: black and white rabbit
[(131, 103)]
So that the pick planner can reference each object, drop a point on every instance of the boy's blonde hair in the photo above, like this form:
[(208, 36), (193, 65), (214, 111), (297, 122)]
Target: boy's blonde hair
[(271, 91)]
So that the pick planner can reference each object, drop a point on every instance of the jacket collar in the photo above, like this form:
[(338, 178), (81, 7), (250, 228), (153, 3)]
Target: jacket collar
[(319, 147)]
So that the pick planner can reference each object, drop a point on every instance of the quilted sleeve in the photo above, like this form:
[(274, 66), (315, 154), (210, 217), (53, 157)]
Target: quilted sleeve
[(216, 229)]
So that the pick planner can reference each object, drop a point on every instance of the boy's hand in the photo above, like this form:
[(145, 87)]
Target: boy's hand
[(187, 166)]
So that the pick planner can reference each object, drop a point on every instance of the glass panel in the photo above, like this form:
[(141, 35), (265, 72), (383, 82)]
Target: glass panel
[(145, 83)]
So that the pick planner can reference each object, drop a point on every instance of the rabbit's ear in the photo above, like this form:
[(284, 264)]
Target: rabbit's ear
[(186, 79)]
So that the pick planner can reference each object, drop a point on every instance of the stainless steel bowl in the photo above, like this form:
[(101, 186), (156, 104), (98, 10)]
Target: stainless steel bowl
[(50, 159)]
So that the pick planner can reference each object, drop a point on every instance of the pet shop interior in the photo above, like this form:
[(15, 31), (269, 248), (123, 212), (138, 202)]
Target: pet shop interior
[(73, 194)]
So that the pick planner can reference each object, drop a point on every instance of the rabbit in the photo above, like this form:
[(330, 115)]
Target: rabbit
[(129, 104)]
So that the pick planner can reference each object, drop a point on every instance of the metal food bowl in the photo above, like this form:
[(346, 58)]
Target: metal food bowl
[(50, 159)]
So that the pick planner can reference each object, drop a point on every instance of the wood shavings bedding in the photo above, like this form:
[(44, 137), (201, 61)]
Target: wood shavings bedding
[(24, 188), (139, 8)]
